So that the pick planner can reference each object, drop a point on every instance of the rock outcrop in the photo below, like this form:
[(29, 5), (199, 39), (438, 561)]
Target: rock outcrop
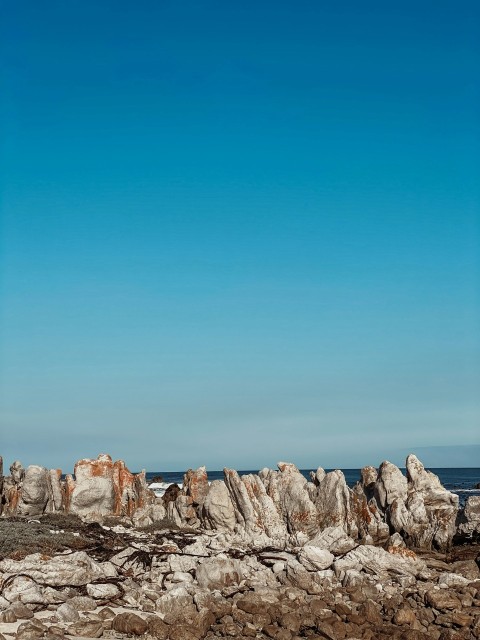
[(98, 488), (277, 505)]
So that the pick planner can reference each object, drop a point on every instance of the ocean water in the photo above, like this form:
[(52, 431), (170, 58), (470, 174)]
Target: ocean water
[(461, 481)]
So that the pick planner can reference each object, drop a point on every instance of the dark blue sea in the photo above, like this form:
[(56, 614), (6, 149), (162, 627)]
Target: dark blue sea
[(462, 481)]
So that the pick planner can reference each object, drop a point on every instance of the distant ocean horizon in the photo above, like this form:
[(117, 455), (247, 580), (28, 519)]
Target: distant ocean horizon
[(461, 480)]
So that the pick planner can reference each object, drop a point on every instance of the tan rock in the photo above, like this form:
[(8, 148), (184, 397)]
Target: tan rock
[(129, 623)]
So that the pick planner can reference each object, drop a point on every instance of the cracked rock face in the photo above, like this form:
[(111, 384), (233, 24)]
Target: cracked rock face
[(280, 506)]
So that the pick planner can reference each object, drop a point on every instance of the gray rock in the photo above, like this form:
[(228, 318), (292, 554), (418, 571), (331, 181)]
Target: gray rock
[(333, 503), (470, 519), (86, 629), (333, 539), (218, 573), (66, 613), (129, 623), (35, 492), (75, 569), (82, 603), (103, 591), (315, 559), (31, 630), (378, 561), (390, 485)]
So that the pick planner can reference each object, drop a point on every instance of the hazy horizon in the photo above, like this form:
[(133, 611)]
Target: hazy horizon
[(235, 233)]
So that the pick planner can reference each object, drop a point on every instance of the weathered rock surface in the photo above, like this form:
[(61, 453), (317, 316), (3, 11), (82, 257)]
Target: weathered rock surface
[(469, 525), (74, 570), (277, 506), (184, 584)]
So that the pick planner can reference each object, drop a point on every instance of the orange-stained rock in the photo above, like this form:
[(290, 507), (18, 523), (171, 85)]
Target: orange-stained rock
[(103, 487), (195, 484)]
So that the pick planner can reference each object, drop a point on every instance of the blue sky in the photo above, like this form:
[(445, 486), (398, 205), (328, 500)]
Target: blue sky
[(233, 233)]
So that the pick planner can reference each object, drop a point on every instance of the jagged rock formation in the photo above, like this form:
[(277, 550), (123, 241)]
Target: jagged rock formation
[(469, 521), (100, 488), (280, 506)]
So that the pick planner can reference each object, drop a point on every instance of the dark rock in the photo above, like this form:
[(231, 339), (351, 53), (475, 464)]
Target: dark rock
[(171, 494), (157, 628), (442, 599), (129, 623), (21, 611), (8, 616), (31, 630), (404, 616)]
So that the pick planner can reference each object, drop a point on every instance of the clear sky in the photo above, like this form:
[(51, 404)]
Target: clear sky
[(238, 232)]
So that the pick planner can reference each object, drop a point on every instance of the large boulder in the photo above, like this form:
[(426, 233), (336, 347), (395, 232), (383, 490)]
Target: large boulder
[(390, 485), (333, 503), (35, 492), (218, 511), (469, 525), (75, 569), (380, 562), (103, 487), (244, 511), (267, 517), (195, 485), (289, 490), (219, 573)]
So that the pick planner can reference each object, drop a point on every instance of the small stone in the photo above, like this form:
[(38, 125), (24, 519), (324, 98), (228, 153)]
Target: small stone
[(21, 611), (129, 623), (103, 591), (404, 615), (106, 613), (157, 628), (8, 616), (442, 599), (67, 613), (82, 603), (31, 630), (86, 628)]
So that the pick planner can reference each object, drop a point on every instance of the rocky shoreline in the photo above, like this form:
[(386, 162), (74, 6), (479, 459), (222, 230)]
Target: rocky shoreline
[(265, 555)]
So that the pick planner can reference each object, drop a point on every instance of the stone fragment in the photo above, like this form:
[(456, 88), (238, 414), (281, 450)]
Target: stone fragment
[(442, 599), (8, 616), (157, 628), (66, 613), (218, 573), (315, 559), (379, 562), (103, 591), (470, 518), (35, 491), (21, 611), (452, 580), (333, 539), (129, 623), (75, 569), (195, 485), (82, 603), (31, 630), (86, 629)]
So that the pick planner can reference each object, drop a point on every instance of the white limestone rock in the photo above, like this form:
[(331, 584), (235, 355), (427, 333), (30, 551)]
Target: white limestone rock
[(74, 569), (315, 559), (218, 511), (333, 539), (378, 561), (218, 573)]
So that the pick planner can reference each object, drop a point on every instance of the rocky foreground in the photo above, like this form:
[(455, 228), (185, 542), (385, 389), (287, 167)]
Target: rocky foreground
[(258, 556)]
